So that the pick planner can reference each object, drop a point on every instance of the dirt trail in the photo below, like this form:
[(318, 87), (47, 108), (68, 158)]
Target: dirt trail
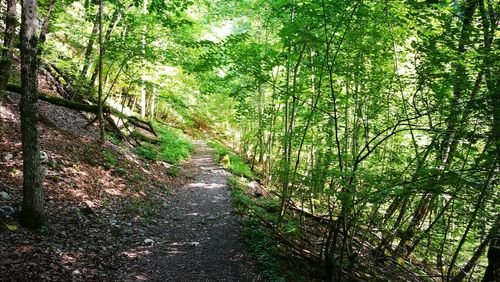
[(200, 237)]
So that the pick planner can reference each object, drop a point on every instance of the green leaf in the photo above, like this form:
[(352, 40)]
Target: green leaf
[(11, 227)]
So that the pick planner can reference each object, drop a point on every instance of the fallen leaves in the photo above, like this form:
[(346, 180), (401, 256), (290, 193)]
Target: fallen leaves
[(81, 199)]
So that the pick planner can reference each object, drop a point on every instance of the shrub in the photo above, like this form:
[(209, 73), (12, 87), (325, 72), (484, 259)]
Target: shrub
[(231, 161), (173, 146)]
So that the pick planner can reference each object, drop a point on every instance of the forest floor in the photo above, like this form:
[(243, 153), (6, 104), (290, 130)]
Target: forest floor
[(112, 215), (199, 240)]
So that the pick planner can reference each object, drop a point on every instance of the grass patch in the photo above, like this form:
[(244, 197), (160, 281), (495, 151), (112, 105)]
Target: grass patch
[(231, 161), (109, 158), (174, 171), (119, 171), (113, 138), (173, 146), (139, 206), (136, 177)]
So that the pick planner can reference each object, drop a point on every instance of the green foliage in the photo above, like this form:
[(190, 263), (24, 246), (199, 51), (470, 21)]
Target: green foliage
[(136, 177), (174, 171), (379, 113), (230, 160), (276, 264), (173, 146), (148, 151), (120, 171), (109, 157), (113, 138), (142, 207)]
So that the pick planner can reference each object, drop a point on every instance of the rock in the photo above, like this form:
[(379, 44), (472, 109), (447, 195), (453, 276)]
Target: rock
[(44, 157), (5, 196), (211, 217), (149, 241), (7, 210), (165, 205), (8, 157), (77, 272), (194, 244), (258, 190)]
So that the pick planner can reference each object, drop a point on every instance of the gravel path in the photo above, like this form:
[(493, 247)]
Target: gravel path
[(200, 239)]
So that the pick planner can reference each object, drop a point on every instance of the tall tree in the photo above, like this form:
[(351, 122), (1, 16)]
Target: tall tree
[(100, 100), (33, 215), (143, 75), (10, 30)]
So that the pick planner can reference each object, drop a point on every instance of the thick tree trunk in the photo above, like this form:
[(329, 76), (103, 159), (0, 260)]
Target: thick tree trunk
[(32, 215), (6, 59)]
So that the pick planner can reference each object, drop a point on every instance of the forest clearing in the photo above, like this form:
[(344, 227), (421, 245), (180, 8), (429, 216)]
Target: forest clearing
[(250, 140)]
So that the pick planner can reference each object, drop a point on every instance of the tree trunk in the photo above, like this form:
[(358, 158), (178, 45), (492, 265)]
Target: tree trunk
[(143, 39), (90, 47), (32, 215), (492, 75), (492, 272), (62, 102), (114, 22), (45, 27), (449, 145), (153, 102), (99, 95), (6, 59)]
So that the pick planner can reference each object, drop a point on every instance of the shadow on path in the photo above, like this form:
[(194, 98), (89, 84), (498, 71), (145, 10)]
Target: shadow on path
[(199, 239)]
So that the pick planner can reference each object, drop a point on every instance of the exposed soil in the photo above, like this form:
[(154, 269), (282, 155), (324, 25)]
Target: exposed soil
[(200, 237)]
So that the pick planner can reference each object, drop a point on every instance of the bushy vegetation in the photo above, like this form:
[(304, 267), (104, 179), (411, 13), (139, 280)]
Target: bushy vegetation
[(276, 264), (230, 160), (173, 146)]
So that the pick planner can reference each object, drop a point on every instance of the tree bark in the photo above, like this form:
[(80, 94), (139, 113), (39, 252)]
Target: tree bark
[(492, 75), (33, 215), (114, 22), (90, 47), (6, 59), (100, 101), (45, 27), (61, 102), (492, 272), (143, 39), (153, 102)]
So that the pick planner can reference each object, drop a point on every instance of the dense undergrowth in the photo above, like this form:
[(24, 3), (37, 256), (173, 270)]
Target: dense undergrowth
[(276, 263), (173, 146), (230, 160)]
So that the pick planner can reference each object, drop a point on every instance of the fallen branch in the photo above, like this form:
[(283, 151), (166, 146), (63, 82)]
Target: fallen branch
[(138, 135), (94, 109), (135, 121), (62, 102)]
